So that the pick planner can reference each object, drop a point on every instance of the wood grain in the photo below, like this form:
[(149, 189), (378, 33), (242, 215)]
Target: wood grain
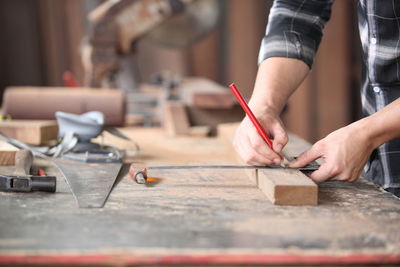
[(204, 93), (288, 187), (215, 217), (176, 121), (33, 132), (282, 186), (7, 153), (199, 131)]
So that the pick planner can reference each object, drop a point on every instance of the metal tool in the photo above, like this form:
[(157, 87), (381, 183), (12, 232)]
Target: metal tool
[(96, 156), (138, 171), (90, 183), (77, 131), (22, 181), (117, 26)]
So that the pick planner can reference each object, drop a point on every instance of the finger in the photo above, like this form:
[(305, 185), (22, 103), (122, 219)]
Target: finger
[(280, 137), (258, 144), (355, 177), (256, 159), (346, 177), (321, 175), (251, 156), (305, 158)]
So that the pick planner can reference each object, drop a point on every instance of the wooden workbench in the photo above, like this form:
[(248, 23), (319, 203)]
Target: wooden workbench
[(202, 217)]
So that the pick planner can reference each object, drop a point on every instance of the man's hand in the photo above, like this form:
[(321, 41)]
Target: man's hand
[(344, 152), (277, 78), (252, 148)]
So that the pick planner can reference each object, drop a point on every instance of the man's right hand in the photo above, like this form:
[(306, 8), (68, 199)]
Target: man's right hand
[(277, 78), (252, 148)]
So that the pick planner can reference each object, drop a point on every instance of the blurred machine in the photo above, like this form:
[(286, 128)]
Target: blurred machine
[(110, 56), (116, 26)]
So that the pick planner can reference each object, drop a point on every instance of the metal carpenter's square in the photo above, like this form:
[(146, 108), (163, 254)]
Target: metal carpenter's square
[(138, 171), (22, 181)]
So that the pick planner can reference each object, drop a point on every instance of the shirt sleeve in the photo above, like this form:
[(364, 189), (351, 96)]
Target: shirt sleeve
[(294, 29)]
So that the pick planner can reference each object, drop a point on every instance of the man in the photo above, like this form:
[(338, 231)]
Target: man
[(292, 37)]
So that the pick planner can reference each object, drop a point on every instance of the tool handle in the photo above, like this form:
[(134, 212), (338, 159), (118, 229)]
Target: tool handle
[(44, 183), (23, 162)]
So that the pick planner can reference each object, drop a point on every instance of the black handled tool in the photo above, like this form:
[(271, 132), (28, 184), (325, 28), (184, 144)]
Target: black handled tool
[(22, 181)]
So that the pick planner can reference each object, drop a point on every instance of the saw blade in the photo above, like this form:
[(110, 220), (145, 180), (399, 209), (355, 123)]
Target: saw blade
[(90, 183)]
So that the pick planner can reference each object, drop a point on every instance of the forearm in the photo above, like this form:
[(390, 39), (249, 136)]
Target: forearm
[(383, 125), (277, 79)]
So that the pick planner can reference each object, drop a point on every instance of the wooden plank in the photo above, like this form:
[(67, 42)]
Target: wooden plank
[(204, 93), (159, 149), (7, 153), (176, 121), (287, 187), (226, 219), (281, 186), (33, 132), (200, 131)]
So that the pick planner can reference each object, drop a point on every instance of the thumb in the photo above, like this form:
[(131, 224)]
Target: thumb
[(305, 158)]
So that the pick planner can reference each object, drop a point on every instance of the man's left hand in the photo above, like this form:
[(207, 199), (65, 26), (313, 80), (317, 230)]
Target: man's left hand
[(344, 152)]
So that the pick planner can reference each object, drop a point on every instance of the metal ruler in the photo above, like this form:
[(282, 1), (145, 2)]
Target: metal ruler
[(309, 167), (138, 171)]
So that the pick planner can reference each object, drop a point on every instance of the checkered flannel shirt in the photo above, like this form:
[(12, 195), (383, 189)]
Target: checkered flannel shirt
[(295, 29)]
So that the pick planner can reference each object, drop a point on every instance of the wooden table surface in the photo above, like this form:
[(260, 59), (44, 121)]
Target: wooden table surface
[(204, 217)]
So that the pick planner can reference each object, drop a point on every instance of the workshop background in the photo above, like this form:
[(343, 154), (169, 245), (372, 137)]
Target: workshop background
[(40, 40)]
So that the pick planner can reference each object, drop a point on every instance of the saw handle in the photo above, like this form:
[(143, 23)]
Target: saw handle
[(23, 162)]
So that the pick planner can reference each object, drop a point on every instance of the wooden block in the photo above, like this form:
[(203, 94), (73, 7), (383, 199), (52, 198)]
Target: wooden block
[(281, 186), (288, 187), (200, 131), (176, 121), (33, 132), (214, 117), (134, 120), (7, 153), (204, 93)]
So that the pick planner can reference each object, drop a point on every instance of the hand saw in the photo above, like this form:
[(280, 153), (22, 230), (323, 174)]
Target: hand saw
[(138, 171)]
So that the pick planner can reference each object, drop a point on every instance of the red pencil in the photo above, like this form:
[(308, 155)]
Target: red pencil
[(249, 113)]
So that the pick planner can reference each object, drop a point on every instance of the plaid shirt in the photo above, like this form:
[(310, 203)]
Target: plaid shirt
[(295, 29)]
